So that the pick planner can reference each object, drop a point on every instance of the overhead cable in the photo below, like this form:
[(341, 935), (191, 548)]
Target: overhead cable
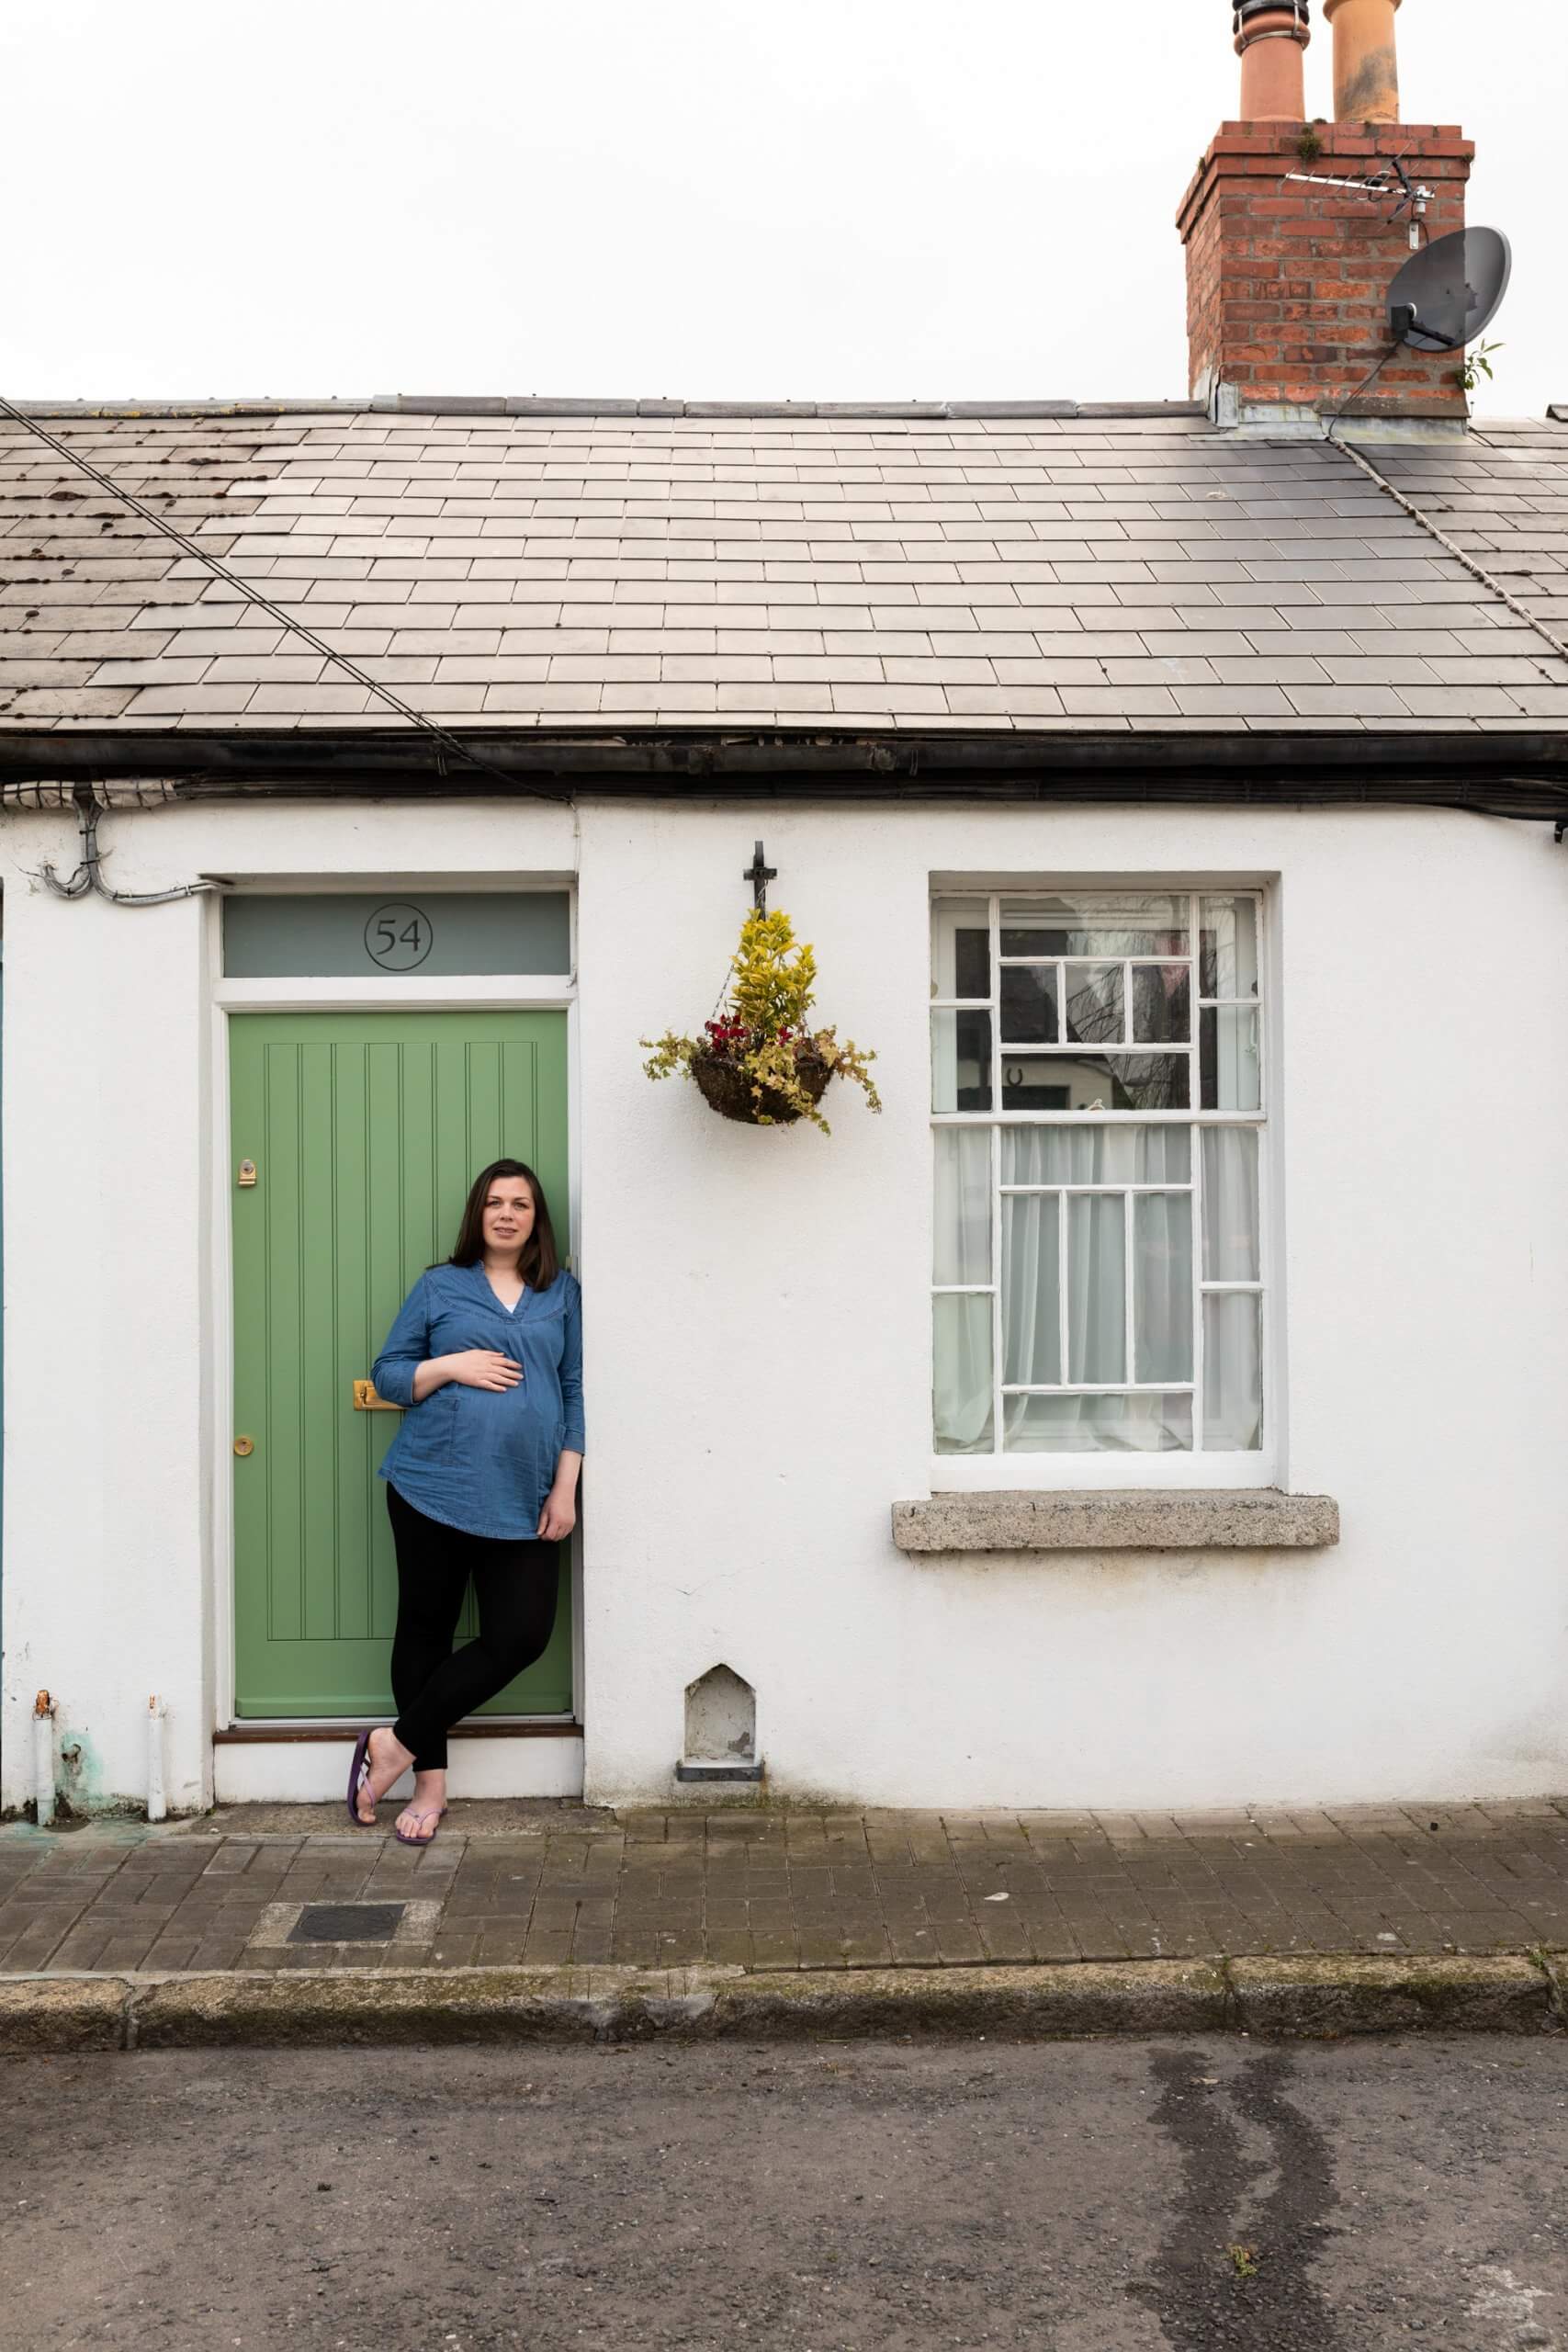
[(1451, 546), (452, 743)]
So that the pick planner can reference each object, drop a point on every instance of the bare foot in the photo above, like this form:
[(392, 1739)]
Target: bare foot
[(421, 1818), (388, 1759)]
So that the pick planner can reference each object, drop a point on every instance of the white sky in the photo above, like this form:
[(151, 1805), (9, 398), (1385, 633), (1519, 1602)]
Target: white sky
[(711, 198)]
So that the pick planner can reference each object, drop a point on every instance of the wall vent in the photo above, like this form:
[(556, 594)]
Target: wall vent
[(721, 1729)]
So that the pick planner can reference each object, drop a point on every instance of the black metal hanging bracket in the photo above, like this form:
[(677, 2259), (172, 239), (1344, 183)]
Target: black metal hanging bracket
[(758, 875)]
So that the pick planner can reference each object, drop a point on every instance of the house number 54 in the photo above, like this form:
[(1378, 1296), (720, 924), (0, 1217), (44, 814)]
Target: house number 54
[(398, 937)]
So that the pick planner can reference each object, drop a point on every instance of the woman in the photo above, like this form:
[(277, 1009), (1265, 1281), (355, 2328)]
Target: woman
[(486, 1356)]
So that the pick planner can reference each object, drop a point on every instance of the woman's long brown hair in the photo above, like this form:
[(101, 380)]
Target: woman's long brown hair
[(538, 1262)]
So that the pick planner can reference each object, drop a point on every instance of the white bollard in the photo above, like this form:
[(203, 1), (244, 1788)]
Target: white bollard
[(157, 1806)]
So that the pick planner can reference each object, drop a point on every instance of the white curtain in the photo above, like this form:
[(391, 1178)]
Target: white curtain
[(1099, 1274), (961, 1352), (1233, 1376)]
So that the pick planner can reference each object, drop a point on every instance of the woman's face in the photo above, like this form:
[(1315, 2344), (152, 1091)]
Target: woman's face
[(508, 1215)]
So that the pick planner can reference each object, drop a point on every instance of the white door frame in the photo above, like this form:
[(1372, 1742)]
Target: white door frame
[(479, 993)]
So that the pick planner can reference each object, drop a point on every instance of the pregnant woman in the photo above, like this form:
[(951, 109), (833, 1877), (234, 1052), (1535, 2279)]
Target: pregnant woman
[(486, 1357)]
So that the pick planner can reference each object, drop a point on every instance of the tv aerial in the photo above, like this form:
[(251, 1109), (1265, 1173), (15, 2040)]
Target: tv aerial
[(1448, 294), (1411, 195)]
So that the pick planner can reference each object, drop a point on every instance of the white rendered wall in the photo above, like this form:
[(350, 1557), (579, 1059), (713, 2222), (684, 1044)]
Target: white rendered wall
[(105, 1399), (759, 1353), (116, 1331), (756, 1319)]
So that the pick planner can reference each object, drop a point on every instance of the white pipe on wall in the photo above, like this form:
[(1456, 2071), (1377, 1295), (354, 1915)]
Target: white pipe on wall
[(157, 1806), (43, 1758)]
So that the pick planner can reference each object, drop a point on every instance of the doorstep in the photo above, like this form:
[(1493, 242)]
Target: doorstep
[(302, 1763)]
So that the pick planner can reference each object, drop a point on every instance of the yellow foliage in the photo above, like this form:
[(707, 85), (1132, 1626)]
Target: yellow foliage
[(767, 991)]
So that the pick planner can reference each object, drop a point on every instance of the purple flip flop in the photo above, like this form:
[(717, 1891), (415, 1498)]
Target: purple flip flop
[(440, 1813), (357, 1775)]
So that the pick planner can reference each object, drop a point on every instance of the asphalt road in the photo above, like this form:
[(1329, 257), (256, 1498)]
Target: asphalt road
[(1109, 2197)]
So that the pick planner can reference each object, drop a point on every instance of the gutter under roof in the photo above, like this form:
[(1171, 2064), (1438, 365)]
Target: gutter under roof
[(1511, 772)]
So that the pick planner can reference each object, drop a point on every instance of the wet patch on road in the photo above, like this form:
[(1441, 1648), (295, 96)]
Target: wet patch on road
[(1234, 2268)]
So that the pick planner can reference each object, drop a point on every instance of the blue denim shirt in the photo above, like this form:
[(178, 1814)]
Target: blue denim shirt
[(484, 1459)]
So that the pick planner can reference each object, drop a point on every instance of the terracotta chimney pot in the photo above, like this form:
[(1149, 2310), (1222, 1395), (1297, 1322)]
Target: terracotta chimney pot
[(1270, 35), (1366, 65)]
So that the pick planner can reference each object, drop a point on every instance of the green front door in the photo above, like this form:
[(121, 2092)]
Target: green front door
[(364, 1131)]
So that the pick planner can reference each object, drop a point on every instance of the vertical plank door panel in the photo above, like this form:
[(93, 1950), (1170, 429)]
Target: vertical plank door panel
[(367, 1130)]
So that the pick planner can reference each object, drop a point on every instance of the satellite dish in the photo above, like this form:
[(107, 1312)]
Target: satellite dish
[(1446, 295)]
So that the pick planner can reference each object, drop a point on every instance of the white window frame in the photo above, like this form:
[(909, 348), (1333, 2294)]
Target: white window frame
[(1000, 1471)]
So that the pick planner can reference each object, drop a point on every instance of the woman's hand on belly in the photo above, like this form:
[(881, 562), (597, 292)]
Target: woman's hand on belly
[(474, 1368)]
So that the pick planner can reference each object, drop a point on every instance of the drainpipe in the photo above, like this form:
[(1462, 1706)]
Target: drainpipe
[(157, 1806), (43, 1758), (1271, 40), (1366, 63)]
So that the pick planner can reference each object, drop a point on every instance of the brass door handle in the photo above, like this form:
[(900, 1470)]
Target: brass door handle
[(366, 1401)]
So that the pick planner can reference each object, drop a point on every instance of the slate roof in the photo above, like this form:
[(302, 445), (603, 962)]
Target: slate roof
[(612, 570)]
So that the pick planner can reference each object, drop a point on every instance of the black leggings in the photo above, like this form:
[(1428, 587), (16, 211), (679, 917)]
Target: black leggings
[(514, 1584)]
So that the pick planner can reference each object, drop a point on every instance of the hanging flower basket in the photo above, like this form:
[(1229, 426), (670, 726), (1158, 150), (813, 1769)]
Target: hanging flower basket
[(759, 1060), (730, 1089)]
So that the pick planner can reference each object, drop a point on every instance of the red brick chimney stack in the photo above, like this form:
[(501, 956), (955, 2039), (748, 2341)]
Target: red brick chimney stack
[(1287, 279)]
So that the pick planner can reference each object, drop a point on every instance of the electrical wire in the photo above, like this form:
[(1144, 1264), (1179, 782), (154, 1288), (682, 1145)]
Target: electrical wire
[(1417, 514), (453, 743), (1352, 397), (1451, 547), (89, 871)]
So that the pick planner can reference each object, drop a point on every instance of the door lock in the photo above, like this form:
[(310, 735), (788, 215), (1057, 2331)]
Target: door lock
[(244, 1445)]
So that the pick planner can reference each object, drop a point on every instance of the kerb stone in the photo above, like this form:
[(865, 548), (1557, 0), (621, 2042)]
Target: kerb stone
[(61, 2013), (1450, 1993)]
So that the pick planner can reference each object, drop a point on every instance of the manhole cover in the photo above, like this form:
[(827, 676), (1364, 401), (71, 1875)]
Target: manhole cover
[(347, 1923)]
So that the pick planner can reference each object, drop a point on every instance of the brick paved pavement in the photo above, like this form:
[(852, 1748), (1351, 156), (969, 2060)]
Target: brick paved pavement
[(551, 1885)]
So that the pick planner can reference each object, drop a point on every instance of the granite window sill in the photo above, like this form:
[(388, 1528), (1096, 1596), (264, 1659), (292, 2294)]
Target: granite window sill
[(1255, 1519)]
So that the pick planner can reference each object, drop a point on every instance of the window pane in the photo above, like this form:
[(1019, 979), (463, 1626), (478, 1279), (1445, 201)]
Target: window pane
[(1095, 922), (1031, 1315), (1097, 1287), (1094, 1013), (1028, 1004), (1230, 1206), (961, 1061), (961, 947), (1097, 1424), (437, 933), (1228, 953), (1162, 1003), (1227, 1051), (1233, 1372), (1094, 1154), (961, 1386), (1095, 1081), (962, 1232), (1031, 1082), (1162, 1286)]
